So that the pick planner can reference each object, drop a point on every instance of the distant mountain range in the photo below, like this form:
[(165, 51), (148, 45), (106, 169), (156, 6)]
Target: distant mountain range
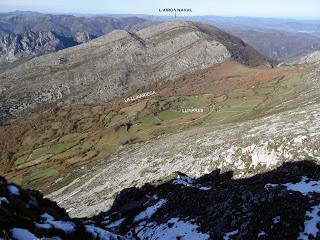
[(277, 44), (28, 34), (66, 25), (24, 35)]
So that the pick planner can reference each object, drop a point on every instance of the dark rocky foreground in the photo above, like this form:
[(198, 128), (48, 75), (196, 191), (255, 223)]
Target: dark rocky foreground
[(280, 204)]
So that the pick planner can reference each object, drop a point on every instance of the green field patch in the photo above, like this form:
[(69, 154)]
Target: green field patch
[(148, 120), (286, 90), (170, 115), (31, 163), (233, 109), (78, 149), (51, 150), (253, 101), (242, 92), (293, 80), (193, 102), (43, 173), (266, 90)]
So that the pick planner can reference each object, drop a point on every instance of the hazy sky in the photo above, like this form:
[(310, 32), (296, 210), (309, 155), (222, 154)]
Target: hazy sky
[(263, 8)]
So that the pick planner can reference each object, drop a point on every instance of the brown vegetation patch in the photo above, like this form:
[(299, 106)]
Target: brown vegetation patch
[(223, 78)]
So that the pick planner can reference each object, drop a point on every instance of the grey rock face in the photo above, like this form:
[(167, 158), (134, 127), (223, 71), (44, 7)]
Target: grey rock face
[(311, 58), (114, 65), (16, 46), (83, 37)]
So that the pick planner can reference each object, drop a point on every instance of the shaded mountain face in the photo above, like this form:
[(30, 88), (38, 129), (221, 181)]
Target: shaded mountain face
[(26, 215), (276, 44), (280, 204), (120, 63), (240, 51)]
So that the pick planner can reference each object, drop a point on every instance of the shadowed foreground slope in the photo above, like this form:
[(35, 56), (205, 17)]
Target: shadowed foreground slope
[(280, 204)]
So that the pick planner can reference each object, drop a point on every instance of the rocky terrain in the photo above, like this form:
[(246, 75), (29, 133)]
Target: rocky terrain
[(28, 44), (26, 215), (119, 64), (280, 204), (311, 58), (24, 35)]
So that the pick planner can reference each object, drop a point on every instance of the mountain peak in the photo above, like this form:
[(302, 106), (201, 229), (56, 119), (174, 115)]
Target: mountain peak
[(165, 26)]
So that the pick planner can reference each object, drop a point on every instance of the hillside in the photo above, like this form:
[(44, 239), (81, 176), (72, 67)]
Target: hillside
[(106, 147), (119, 64), (243, 129)]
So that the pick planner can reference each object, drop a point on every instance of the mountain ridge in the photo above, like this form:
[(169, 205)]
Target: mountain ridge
[(154, 56)]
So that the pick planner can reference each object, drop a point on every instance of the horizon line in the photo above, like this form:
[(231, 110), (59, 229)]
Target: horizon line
[(165, 15)]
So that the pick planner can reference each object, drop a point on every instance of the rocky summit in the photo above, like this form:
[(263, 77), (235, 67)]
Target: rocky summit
[(280, 204), (119, 64)]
